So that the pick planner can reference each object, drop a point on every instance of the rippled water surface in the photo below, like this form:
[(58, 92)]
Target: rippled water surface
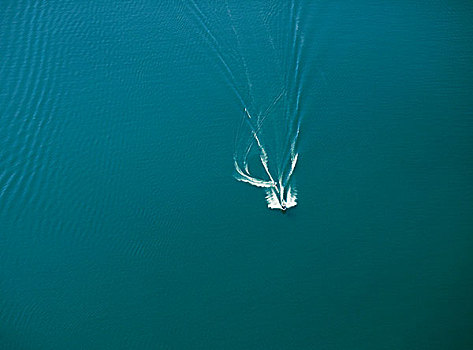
[(122, 225)]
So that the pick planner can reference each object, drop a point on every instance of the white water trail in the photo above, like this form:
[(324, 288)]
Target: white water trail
[(266, 155), (280, 192)]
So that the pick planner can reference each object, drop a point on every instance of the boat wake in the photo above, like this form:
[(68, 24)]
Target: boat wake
[(280, 192), (262, 65)]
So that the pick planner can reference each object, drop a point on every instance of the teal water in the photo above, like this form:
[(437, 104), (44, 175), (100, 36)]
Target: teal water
[(122, 226)]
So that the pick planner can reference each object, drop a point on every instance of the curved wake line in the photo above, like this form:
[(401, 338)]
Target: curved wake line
[(280, 193), (273, 144), (277, 196)]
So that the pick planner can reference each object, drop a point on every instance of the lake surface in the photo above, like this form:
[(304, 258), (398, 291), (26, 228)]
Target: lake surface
[(122, 225)]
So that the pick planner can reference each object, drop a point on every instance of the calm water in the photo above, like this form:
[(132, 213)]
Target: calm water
[(122, 227)]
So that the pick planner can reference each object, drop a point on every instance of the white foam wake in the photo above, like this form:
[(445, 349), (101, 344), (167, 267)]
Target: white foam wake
[(280, 193), (266, 78)]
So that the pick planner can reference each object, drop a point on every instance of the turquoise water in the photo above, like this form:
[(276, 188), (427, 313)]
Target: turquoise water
[(122, 225)]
